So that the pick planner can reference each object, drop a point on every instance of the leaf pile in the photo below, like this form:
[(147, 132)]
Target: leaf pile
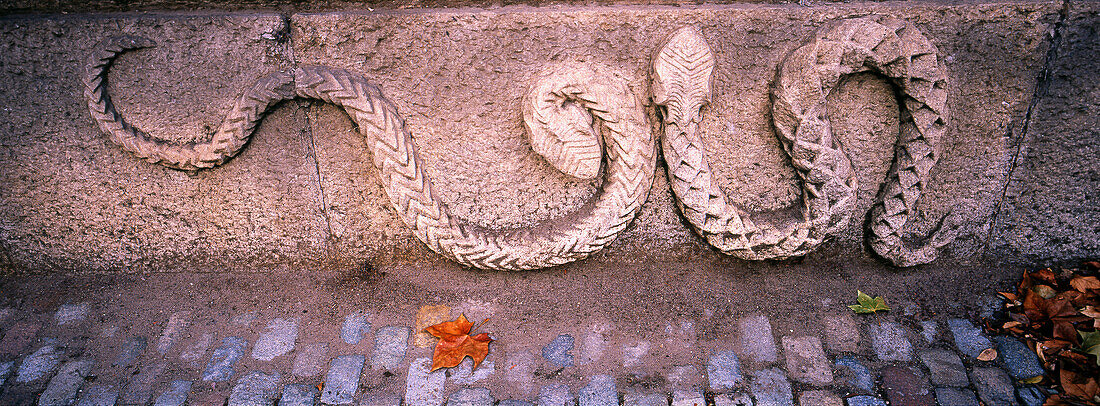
[(1058, 315), (455, 343)]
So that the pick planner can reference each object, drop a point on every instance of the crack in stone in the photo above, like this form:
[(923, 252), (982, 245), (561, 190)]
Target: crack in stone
[(1042, 84)]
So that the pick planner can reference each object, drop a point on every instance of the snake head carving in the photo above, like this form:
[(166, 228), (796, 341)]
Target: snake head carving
[(683, 72)]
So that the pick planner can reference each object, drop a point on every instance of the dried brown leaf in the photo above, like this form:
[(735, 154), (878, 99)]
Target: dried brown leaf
[(987, 354), (455, 343)]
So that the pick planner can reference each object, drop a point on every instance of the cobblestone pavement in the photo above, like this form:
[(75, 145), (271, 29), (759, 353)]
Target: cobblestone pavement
[(108, 348)]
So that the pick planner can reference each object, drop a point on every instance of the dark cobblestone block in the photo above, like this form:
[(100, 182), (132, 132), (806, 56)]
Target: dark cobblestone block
[(342, 380), (968, 339), (771, 388), (558, 351), (5, 371), (732, 399), (945, 367), (890, 342), (220, 367), (600, 391), (40, 364), (852, 374), (517, 402), (175, 394), (1031, 396), (471, 397), (1022, 363), (299, 395), (255, 389), (956, 397), (140, 388), (132, 348), (904, 387), (64, 386), (98, 395), (994, 386), (724, 371)]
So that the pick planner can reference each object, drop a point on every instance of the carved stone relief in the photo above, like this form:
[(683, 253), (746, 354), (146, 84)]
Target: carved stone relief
[(579, 117)]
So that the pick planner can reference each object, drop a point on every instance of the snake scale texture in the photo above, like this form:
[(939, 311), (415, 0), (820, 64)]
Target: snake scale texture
[(682, 74), (577, 116)]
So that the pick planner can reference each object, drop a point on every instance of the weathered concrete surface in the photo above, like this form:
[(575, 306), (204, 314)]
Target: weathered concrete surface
[(304, 193), (1052, 203)]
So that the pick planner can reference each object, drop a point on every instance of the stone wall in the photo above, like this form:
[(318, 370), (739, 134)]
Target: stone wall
[(1014, 166)]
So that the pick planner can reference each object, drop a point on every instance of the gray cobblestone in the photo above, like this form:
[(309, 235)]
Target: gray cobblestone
[(945, 367), (688, 398), (1031, 396), (310, 360), (132, 348), (929, 330), (864, 400), (556, 395), (245, 319), (757, 342), (276, 340), (634, 352), (299, 395), (255, 389), (806, 361), (733, 399), (98, 395), (842, 333), (465, 374), (355, 327), (819, 398), (890, 343), (220, 367), (390, 344), (40, 364), (175, 394), (71, 313), (342, 380), (968, 339), (771, 388), (853, 374), (471, 397), (635, 398), (1022, 363), (600, 391), (512, 402), (62, 389), (956, 397), (594, 344), (139, 390), (994, 386), (724, 371), (176, 324), (5, 371), (422, 387), (380, 399), (195, 353), (557, 352)]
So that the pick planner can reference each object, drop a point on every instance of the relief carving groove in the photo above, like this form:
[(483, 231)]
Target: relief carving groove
[(574, 115)]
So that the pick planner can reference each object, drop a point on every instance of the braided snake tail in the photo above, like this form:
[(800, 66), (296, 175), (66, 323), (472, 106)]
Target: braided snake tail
[(682, 75), (560, 112), (228, 139)]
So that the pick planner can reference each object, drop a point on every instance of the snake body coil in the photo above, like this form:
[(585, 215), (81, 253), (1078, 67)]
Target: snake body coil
[(551, 117)]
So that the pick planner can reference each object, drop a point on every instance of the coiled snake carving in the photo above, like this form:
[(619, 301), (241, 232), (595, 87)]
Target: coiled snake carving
[(575, 115)]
